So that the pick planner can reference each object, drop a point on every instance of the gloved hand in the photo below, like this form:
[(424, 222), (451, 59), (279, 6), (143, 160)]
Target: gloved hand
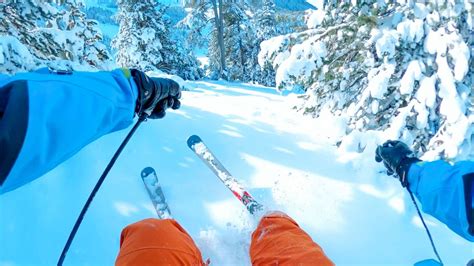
[(397, 158), (155, 95)]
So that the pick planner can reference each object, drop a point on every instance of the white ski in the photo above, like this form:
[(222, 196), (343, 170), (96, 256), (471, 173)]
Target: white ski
[(152, 184)]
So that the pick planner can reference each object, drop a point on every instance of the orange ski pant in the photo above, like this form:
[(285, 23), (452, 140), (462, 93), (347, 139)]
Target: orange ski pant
[(278, 240)]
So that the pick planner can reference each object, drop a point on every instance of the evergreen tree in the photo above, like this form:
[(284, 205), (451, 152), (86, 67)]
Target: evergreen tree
[(49, 32), (242, 33), (400, 68), (217, 70), (145, 41), (198, 23), (265, 21), (210, 14), (142, 31), (235, 40), (241, 42), (92, 52), (218, 37), (179, 58)]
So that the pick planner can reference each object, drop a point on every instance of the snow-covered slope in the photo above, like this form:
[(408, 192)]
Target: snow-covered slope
[(356, 213)]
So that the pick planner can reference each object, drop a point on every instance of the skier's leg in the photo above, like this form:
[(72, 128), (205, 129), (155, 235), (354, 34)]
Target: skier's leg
[(157, 242), (278, 240)]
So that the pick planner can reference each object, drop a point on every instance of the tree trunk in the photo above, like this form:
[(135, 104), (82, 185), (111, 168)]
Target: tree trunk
[(242, 54), (218, 19)]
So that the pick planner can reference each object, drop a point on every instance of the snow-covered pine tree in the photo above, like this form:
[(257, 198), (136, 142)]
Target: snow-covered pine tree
[(233, 41), (234, 54), (40, 32), (93, 51), (251, 28), (265, 20), (216, 69), (141, 33), (204, 23), (400, 68), (145, 42), (216, 47), (196, 23), (265, 24), (240, 42), (179, 58)]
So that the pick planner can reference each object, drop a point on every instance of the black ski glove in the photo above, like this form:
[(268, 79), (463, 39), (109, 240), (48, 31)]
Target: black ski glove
[(397, 158), (155, 95)]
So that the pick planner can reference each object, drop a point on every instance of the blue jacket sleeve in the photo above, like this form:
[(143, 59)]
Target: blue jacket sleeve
[(445, 192), (45, 118)]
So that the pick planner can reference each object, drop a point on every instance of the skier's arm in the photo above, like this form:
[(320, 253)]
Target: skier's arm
[(3, 96), (446, 192), (46, 118), (50, 117)]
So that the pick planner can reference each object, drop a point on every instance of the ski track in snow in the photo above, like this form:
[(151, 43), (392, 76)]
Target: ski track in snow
[(358, 215)]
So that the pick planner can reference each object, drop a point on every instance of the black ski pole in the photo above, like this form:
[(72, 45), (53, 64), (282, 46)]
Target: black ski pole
[(425, 226), (142, 118)]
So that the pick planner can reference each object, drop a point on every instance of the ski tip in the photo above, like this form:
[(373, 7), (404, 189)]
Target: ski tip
[(193, 140), (147, 171)]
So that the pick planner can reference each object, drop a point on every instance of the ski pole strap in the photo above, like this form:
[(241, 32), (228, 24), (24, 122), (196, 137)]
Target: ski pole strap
[(424, 224), (97, 187)]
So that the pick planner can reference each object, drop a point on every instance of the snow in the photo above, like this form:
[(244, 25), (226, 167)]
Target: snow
[(341, 197), (437, 42), (378, 80), (302, 60), (433, 18), (413, 73), (452, 108), (13, 53), (434, 43), (385, 44), (317, 3), (314, 18), (461, 56), (280, 49), (338, 194), (375, 107), (427, 92), (447, 84), (270, 47), (420, 11), (148, 35), (422, 115), (411, 30)]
